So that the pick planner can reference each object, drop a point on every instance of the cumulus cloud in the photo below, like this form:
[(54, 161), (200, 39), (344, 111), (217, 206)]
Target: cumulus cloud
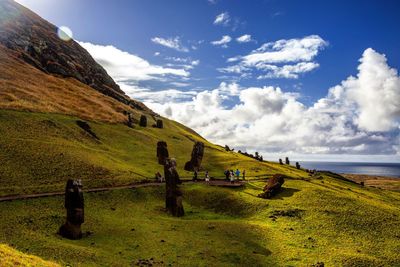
[(123, 66), (361, 116), (223, 42), (244, 38), (222, 19), (282, 58), (172, 42)]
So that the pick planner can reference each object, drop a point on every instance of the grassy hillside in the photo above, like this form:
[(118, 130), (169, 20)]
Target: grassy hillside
[(40, 151), (319, 220), (11, 257)]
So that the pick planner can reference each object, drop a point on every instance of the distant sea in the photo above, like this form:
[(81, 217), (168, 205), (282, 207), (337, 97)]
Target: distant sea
[(379, 169)]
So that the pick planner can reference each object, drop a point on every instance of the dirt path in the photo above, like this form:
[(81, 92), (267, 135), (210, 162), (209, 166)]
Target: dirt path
[(101, 189)]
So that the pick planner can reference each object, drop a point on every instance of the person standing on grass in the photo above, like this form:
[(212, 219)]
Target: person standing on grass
[(232, 177), (207, 177), (244, 175), (237, 174)]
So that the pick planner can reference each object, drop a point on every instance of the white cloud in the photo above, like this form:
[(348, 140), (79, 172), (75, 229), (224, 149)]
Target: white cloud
[(222, 19), (361, 116), (223, 41), (376, 92), (281, 59), (173, 43), (123, 66), (244, 38)]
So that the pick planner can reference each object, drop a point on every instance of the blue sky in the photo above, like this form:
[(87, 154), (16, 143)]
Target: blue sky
[(288, 56)]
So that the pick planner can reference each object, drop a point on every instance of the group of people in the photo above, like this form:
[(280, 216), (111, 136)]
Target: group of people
[(231, 175)]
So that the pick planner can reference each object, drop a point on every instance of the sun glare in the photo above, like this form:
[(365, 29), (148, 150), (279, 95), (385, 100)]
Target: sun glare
[(64, 33)]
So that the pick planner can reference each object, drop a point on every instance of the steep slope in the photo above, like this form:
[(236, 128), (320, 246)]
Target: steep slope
[(35, 40)]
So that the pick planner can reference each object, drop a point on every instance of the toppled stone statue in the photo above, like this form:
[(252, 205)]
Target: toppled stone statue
[(173, 200), (143, 121), (74, 204), (297, 165), (197, 156), (159, 124), (280, 161), (287, 161), (162, 152), (273, 186)]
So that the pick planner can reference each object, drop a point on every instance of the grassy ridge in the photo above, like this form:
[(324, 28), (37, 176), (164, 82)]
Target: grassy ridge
[(326, 220), (39, 152)]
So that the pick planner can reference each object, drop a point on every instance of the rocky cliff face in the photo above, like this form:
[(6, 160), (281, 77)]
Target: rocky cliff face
[(37, 43)]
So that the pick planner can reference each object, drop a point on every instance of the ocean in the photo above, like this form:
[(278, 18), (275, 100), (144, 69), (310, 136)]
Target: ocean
[(379, 169)]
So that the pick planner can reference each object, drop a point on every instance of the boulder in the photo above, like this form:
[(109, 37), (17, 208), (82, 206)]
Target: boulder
[(162, 152), (74, 204), (197, 156), (273, 186)]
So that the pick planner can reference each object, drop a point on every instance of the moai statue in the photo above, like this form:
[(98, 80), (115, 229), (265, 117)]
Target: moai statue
[(287, 161), (143, 121), (159, 124), (130, 120), (297, 165), (197, 156), (74, 204), (162, 152), (280, 161), (273, 186), (173, 199)]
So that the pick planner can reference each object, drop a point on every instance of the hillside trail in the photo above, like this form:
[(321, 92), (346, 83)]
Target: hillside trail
[(130, 186)]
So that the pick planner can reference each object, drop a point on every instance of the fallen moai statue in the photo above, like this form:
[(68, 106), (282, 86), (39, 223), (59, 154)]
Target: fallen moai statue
[(197, 156), (273, 186), (74, 204)]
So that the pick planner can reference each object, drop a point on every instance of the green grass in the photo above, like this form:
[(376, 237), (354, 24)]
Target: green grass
[(336, 222), (312, 220), (39, 152)]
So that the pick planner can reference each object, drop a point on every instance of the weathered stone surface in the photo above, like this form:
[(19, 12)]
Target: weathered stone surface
[(287, 161), (162, 152), (159, 124), (197, 156), (143, 121), (173, 199), (74, 204), (273, 186)]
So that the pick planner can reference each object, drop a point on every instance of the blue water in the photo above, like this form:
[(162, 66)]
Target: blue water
[(381, 169)]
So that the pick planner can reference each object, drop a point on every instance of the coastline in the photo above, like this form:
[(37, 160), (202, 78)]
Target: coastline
[(381, 182)]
